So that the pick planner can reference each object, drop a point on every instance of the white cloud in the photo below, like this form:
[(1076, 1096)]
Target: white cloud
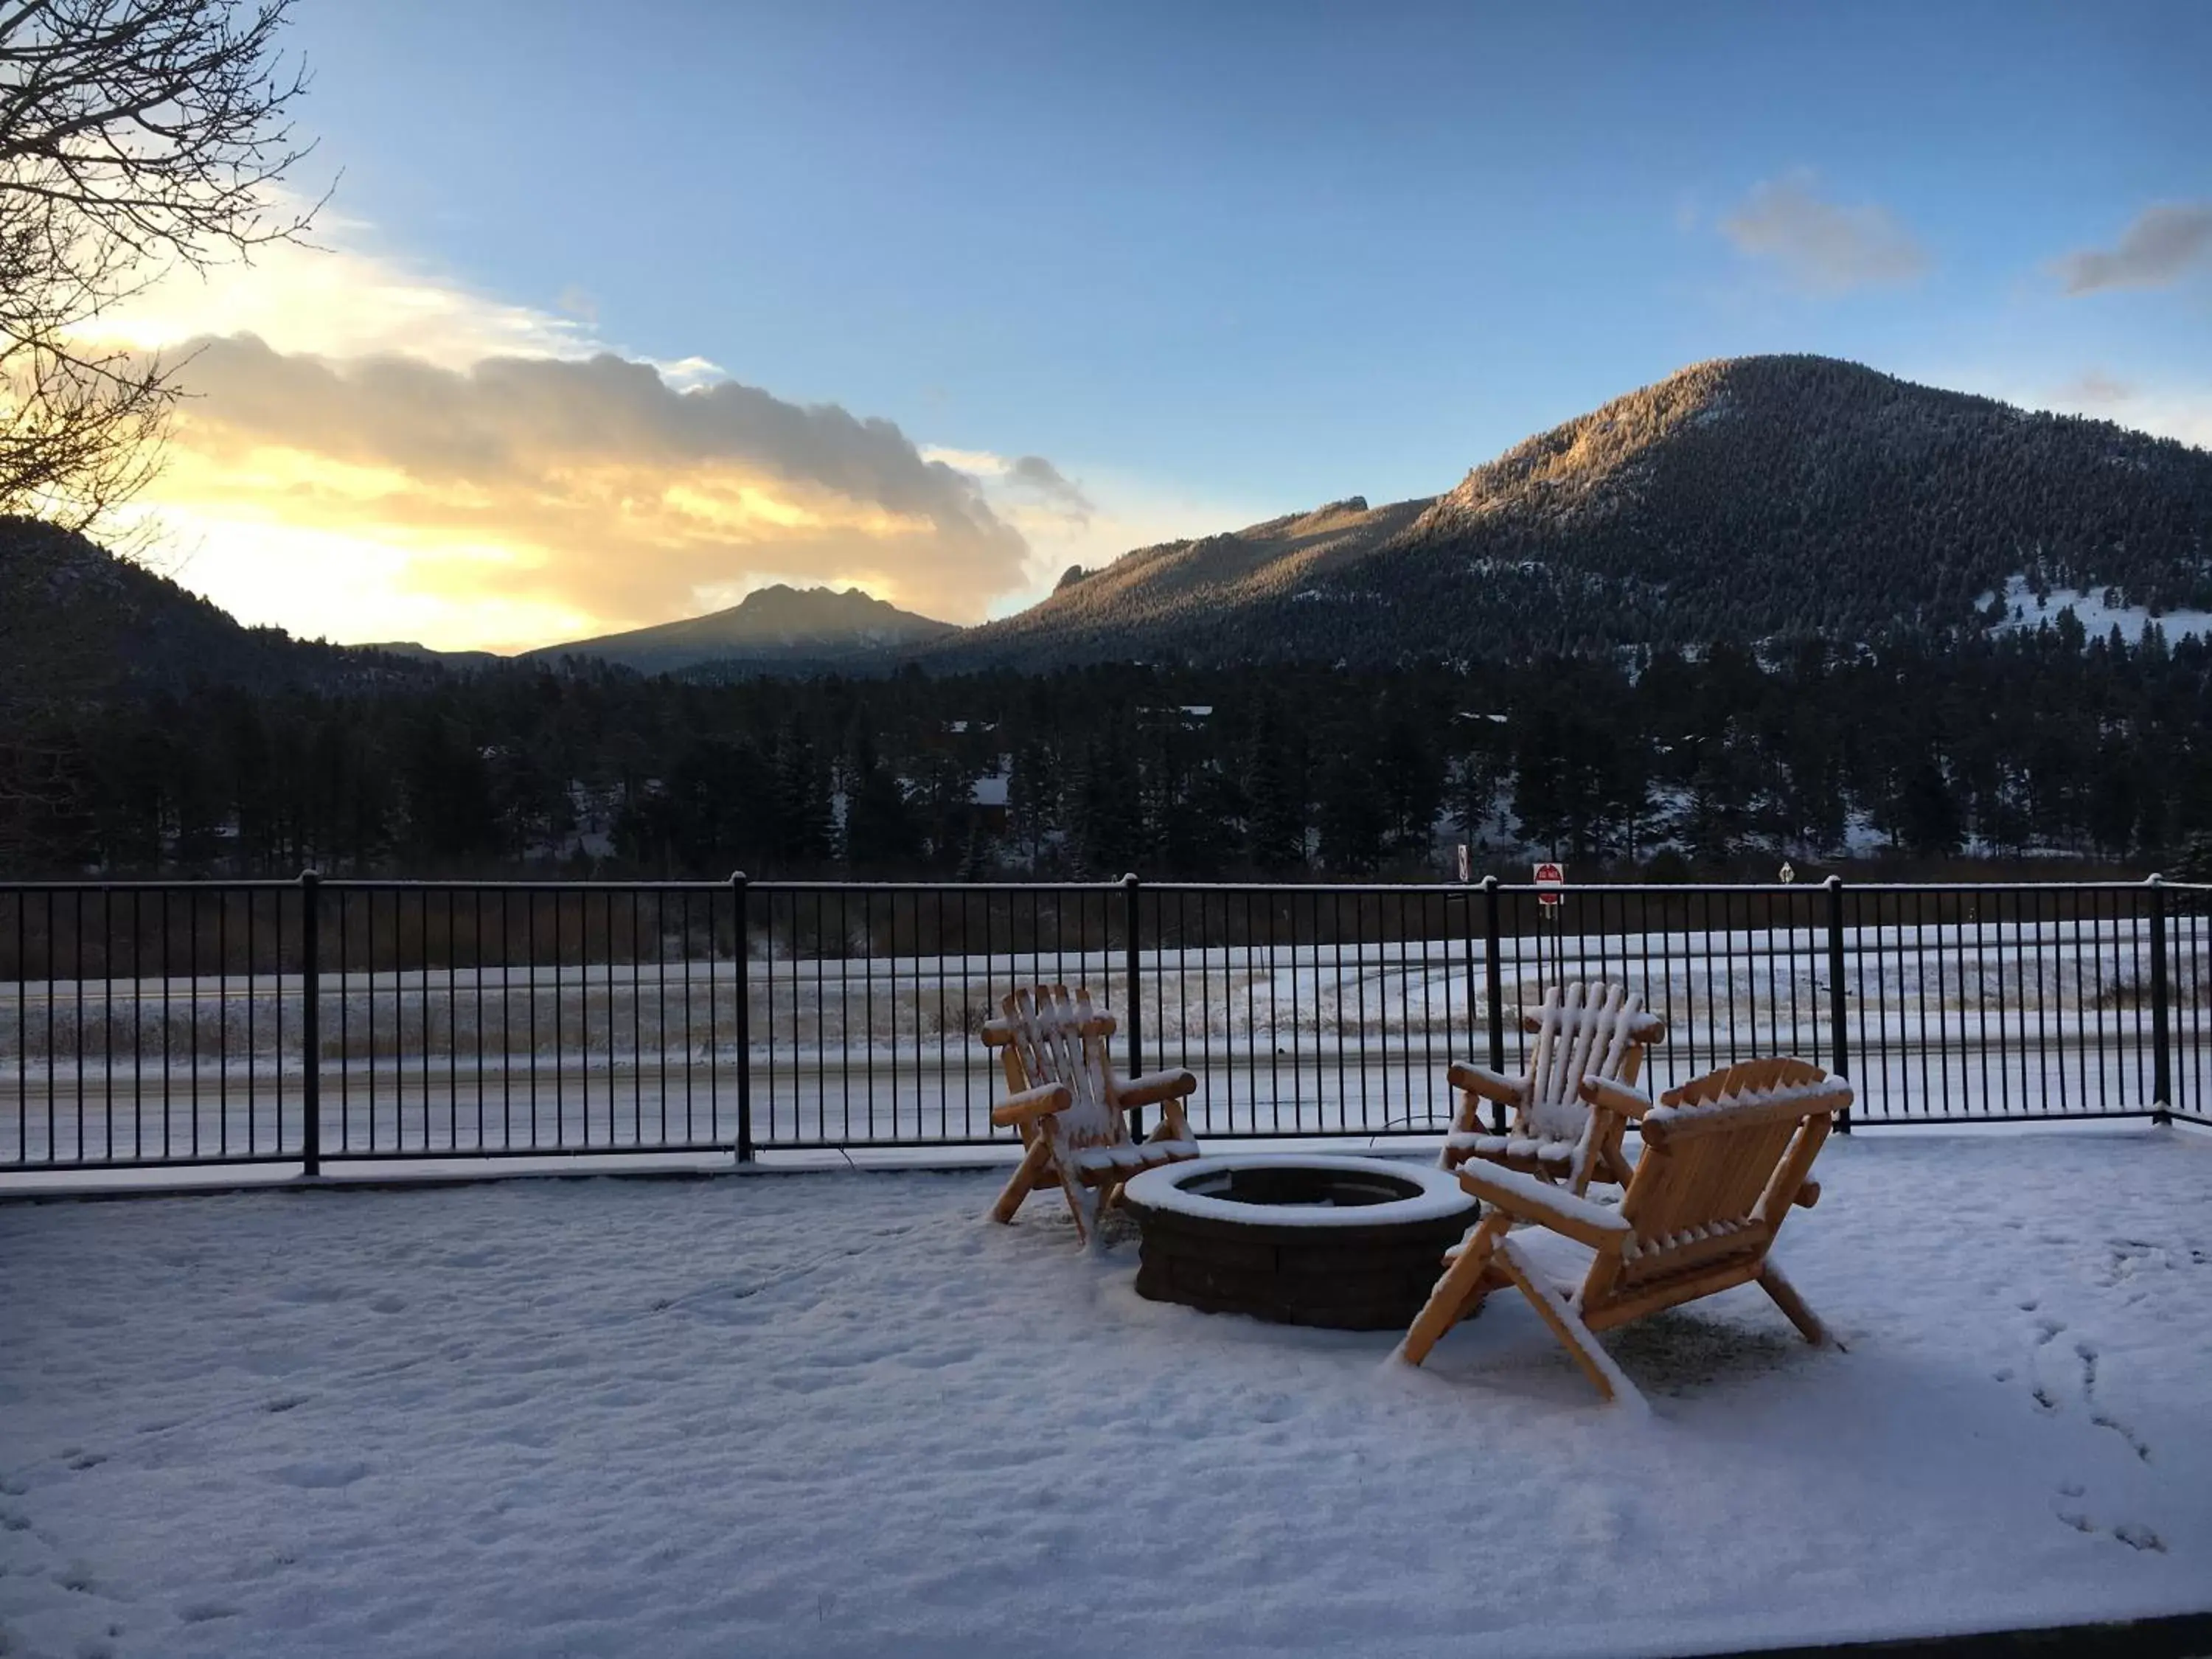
[(2161, 247), (342, 299), (1825, 247)]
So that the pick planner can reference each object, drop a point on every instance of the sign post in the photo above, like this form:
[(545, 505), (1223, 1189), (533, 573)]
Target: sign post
[(1466, 865), (1550, 881)]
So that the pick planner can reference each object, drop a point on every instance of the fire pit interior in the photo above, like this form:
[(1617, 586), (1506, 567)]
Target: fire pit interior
[(1354, 1244)]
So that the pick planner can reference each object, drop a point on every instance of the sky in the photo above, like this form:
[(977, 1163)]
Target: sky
[(617, 313)]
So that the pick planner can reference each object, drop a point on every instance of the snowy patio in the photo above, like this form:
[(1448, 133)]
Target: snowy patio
[(839, 1413)]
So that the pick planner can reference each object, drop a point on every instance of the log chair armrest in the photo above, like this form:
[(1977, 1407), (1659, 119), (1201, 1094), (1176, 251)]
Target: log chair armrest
[(1481, 1080), (1153, 1088), (1609, 1096), (1031, 1104), (1527, 1199)]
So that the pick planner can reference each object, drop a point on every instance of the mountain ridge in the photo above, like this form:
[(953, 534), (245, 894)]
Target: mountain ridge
[(1742, 498), (777, 623)]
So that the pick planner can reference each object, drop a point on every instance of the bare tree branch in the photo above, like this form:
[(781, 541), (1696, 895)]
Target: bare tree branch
[(136, 136)]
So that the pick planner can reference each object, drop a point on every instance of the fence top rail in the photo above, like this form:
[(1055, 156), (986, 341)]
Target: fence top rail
[(348, 884), (1430, 889), (212, 884)]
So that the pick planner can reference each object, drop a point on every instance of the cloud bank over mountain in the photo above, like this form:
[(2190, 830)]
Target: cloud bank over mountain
[(590, 483)]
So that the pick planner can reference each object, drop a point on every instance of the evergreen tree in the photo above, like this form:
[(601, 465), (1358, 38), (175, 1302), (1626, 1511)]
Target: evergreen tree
[(881, 833), (1276, 827), (804, 833), (1351, 814)]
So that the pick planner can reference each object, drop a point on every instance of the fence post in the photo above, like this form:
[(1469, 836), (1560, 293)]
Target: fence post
[(741, 891), (311, 1024), (1135, 1022), (1840, 1043), (2161, 1036), (1489, 959)]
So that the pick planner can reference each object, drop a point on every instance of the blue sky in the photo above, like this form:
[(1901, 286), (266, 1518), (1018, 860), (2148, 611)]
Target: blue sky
[(1238, 259)]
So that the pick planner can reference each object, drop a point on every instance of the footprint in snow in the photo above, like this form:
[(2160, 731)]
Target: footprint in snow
[(2087, 1353), (2135, 1443)]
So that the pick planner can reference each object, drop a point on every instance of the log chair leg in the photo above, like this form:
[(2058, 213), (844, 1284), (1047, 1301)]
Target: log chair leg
[(1458, 1292), (1024, 1180), (1570, 1329), (1786, 1298), (1083, 1205)]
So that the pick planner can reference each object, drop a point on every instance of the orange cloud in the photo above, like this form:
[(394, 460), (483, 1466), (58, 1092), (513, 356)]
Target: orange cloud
[(610, 494)]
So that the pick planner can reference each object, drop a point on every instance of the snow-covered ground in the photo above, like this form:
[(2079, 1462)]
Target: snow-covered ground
[(838, 1413), (2095, 609)]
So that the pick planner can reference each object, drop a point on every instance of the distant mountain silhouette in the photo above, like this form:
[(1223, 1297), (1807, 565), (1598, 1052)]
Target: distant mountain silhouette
[(1738, 500), (414, 651), (772, 626)]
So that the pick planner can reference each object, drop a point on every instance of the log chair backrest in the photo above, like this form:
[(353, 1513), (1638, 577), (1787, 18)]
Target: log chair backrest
[(1718, 1158), (1580, 1030), (1057, 1036)]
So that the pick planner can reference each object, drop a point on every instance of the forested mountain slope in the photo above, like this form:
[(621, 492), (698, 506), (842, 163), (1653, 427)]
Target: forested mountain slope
[(1737, 500), (75, 620)]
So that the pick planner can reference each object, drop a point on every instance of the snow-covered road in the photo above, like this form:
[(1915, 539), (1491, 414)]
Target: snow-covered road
[(839, 1414)]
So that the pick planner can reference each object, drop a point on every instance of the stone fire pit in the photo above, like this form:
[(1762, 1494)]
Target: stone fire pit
[(1354, 1244)]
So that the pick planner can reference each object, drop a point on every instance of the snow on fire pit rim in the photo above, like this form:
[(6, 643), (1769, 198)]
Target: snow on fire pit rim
[(1163, 1189)]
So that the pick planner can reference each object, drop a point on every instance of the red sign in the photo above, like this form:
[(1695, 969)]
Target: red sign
[(1549, 877)]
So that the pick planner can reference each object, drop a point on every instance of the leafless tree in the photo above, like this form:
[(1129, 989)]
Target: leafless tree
[(137, 136)]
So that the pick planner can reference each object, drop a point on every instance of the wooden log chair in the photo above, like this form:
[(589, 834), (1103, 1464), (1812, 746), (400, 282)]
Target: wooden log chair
[(1071, 1108), (1725, 1159), (1580, 1030)]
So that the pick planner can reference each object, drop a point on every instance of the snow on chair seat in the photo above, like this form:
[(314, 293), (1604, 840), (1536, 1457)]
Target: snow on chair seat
[(1581, 1030), (1557, 1156), (1725, 1158), (1072, 1108)]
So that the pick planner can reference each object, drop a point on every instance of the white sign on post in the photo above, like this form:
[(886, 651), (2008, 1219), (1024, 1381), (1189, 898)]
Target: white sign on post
[(1465, 864), (1550, 880)]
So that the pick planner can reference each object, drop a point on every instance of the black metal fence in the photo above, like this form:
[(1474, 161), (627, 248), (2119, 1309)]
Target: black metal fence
[(313, 1021)]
